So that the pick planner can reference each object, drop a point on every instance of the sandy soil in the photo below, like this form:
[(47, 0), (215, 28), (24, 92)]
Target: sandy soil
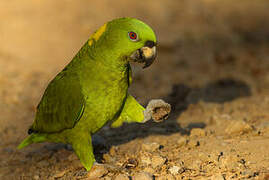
[(212, 67)]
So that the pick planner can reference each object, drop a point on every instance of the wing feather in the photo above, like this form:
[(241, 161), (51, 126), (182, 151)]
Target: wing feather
[(61, 106)]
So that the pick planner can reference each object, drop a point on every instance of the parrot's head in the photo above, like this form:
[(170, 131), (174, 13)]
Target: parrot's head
[(128, 39)]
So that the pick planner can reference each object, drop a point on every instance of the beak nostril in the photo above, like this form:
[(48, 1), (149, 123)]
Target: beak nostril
[(150, 44)]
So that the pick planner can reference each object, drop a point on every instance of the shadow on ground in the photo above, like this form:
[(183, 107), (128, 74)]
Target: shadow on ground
[(221, 91)]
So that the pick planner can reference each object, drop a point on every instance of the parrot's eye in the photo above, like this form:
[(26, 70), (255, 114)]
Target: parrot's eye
[(133, 36)]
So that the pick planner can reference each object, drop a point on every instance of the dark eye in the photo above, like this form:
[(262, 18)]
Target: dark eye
[(133, 36)]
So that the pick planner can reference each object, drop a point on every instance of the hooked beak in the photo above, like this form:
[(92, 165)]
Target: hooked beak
[(146, 54)]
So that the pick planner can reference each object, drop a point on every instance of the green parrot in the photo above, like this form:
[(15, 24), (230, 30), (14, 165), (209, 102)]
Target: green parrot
[(93, 89)]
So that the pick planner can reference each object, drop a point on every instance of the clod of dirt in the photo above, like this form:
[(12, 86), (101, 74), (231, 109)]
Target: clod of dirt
[(197, 132), (142, 176), (217, 177), (157, 161), (121, 177), (157, 109), (60, 174), (160, 114), (174, 170), (106, 178), (238, 127), (229, 162), (181, 141), (130, 163), (97, 171), (36, 177), (150, 147), (145, 159), (165, 177), (149, 170)]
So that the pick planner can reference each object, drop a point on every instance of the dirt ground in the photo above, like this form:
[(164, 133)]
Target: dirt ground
[(212, 67)]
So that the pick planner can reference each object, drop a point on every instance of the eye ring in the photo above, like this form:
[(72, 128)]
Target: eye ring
[(133, 36)]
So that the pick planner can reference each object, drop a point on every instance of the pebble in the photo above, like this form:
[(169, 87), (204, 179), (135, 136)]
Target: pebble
[(121, 177), (149, 170), (247, 172), (130, 163), (197, 132), (150, 147), (238, 127), (174, 170), (157, 161), (142, 176), (217, 177), (107, 178), (36, 177), (196, 165), (97, 171), (60, 174), (228, 162), (145, 160), (165, 177)]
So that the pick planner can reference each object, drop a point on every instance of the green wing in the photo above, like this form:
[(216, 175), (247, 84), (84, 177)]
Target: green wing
[(61, 106)]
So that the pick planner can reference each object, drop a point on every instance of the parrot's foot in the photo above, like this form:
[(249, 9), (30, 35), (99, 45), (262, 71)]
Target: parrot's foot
[(157, 109)]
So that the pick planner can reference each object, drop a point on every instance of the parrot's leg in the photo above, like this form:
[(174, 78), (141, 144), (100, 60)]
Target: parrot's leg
[(83, 148), (132, 112)]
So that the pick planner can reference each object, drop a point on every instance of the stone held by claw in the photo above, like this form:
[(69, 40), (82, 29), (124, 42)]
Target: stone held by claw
[(157, 109)]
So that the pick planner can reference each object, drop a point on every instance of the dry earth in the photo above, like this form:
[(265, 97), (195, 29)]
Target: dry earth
[(213, 68)]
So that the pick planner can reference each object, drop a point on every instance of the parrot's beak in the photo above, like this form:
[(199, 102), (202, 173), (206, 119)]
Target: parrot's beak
[(146, 54)]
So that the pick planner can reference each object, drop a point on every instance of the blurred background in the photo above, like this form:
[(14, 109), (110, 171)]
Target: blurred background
[(211, 52)]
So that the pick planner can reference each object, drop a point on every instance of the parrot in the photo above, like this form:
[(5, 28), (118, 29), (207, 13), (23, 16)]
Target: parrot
[(93, 89)]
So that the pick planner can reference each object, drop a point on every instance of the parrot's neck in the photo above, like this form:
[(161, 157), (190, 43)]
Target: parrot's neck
[(91, 60), (108, 57)]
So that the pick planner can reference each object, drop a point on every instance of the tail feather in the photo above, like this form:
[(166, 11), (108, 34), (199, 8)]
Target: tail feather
[(33, 138)]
